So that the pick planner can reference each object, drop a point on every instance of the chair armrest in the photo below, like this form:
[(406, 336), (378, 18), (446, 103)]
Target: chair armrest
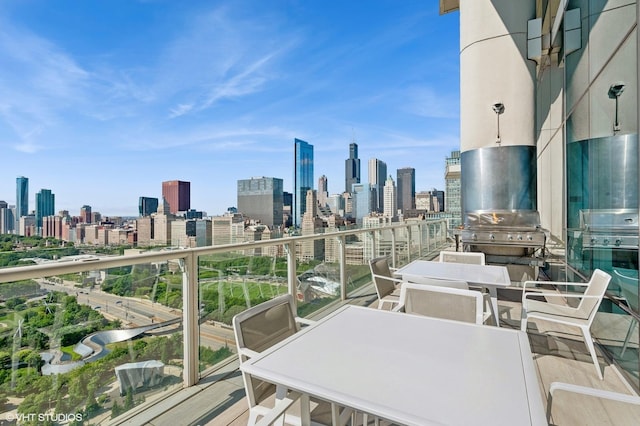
[(600, 393), (247, 352), (397, 280), (279, 409), (565, 295), (398, 308), (553, 283)]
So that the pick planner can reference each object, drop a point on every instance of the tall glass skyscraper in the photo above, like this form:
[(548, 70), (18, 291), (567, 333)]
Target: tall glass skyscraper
[(377, 179), (302, 179), (45, 206), (22, 199), (352, 168), (406, 184)]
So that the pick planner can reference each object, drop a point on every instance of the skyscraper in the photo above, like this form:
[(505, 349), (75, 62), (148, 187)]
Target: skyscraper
[(45, 206), (406, 188), (352, 168), (323, 191), (390, 206), (22, 199), (453, 185), (147, 205), (85, 214), (302, 178), (261, 198), (377, 177), (178, 195), (362, 201)]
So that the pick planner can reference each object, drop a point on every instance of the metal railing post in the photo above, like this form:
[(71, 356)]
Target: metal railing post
[(393, 248), (342, 259), (190, 314), (290, 250)]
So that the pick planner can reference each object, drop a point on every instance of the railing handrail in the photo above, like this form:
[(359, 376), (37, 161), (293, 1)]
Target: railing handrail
[(17, 273)]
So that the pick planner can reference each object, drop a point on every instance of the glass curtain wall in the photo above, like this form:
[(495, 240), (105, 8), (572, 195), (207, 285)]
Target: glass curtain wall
[(602, 168)]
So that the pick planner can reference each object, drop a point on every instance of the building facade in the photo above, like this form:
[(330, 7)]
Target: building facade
[(453, 184), (390, 206), (45, 206), (147, 206), (261, 199), (178, 195), (571, 111), (406, 188), (22, 200), (302, 178), (351, 168), (377, 179)]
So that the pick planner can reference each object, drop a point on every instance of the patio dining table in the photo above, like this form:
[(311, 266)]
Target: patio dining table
[(490, 277), (407, 369)]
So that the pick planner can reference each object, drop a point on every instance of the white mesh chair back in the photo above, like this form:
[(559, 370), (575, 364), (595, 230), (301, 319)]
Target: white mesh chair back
[(380, 274), (595, 290), (474, 258), (442, 302), (260, 327)]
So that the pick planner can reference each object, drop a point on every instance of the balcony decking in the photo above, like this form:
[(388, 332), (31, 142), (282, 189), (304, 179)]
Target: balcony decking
[(559, 355)]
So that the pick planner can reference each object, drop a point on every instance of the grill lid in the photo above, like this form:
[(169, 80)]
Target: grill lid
[(503, 219), (609, 220)]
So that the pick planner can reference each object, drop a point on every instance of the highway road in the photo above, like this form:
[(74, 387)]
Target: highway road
[(134, 312)]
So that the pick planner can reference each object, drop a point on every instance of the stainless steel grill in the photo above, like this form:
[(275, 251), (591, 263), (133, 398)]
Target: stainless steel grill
[(504, 228), (609, 228)]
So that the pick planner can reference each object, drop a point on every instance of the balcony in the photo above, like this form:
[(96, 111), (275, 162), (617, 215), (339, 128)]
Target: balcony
[(162, 352)]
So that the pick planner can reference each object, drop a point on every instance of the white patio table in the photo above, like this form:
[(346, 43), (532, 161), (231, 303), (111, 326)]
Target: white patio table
[(490, 277), (408, 369)]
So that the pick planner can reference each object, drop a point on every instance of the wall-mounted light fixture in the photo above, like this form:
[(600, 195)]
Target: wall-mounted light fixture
[(498, 108), (615, 91)]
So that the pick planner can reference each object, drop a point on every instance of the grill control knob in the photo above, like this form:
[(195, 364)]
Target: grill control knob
[(520, 237), (510, 237), (530, 237), (618, 242), (605, 241), (492, 237), (594, 241), (474, 237)]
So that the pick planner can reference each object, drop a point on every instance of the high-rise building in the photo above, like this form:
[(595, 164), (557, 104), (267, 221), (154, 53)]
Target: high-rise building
[(45, 206), (323, 190), (390, 206), (7, 221), (302, 178), (178, 195), (22, 199), (261, 199), (147, 206), (362, 201), (452, 179), (85, 214), (377, 177), (406, 188), (352, 168)]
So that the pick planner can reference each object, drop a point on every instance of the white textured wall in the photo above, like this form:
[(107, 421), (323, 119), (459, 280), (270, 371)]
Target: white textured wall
[(494, 68)]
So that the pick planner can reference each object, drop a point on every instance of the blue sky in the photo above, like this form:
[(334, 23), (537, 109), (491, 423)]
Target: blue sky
[(101, 101)]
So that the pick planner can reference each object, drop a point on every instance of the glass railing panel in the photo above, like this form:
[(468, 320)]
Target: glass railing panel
[(87, 346)]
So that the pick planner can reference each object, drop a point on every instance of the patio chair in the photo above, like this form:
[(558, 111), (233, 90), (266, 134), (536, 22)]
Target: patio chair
[(257, 329), (581, 316), (475, 258), (584, 390), (387, 286), (452, 303), (463, 285)]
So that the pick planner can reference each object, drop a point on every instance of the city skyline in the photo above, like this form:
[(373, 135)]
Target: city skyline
[(101, 103)]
